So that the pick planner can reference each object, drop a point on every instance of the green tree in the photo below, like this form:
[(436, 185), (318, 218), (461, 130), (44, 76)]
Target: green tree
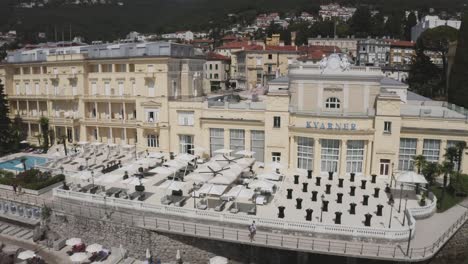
[(458, 88), (424, 77), (430, 170), (63, 139), (461, 146), (419, 162), (451, 154), (411, 21), (437, 40), (5, 121), (44, 123), (360, 22), (445, 168), (394, 25)]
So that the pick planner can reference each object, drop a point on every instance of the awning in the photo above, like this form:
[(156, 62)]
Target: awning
[(411, 177)]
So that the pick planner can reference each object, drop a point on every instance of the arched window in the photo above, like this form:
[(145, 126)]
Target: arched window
[(332, 103)]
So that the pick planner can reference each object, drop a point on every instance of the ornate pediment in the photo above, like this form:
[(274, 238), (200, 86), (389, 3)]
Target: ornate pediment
[(334, 63)]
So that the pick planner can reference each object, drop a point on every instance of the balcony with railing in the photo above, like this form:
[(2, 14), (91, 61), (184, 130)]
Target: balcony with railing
[(336, 113)]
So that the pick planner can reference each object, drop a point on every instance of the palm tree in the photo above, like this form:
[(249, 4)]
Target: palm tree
[(44, 123), (461, 146), (23, 161), (38, 136), (419, 162), (451, 154), (429, 170), (64, 142), (446, 168)]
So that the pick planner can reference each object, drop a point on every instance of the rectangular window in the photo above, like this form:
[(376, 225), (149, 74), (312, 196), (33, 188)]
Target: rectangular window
[(211, 66), (407, 152), (387, 127), (152, 115), (270, 56), (276, 156), (216, 139), (216, 66), (186, 144), (276, 122), (106, 67), (305, 153), (257, 142), (120, 67), (186, 118), (121, 88), (150, 68), (236, 140), (94, 68), (259, 61), (153, 141), (354, 156), (107, 88), (431, 150), (94, 88), (26, 70), (330, 154), (131, 67)]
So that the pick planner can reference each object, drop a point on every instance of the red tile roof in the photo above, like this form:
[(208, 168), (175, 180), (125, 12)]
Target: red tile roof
[(229, 37), (216, 56), (401, 43), (234, 45)]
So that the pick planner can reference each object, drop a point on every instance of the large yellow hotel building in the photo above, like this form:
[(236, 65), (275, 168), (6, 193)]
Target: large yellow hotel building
[(328, 116)]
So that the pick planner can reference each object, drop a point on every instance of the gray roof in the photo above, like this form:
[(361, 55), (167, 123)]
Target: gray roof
[(385, 81), (282, 79), (412, 96)]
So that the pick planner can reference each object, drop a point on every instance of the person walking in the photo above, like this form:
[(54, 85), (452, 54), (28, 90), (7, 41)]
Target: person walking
[(253, 231), (14, 187)]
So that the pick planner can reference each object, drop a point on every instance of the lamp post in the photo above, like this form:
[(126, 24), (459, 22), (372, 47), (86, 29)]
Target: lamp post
[(321, 208), (391, 214), (404, 211), (92, 178), (409, 241), (392, 175), (194, 199), (401, 194)]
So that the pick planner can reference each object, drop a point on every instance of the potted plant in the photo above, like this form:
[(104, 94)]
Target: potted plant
[(422, 202), (140, 188)]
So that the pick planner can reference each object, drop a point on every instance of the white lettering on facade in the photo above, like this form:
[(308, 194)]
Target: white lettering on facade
[(331, 126)]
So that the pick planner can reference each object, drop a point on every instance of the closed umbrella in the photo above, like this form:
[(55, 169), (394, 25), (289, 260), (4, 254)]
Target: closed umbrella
[(26, 255), (78, 257), (148, 254), (178, 255), (73, 241), (94, 248), (122, 251)]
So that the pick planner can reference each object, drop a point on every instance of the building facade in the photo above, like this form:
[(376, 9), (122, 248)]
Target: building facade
[(346, 45), (217, 68), (429, 22), (327, 116), (373, 52)]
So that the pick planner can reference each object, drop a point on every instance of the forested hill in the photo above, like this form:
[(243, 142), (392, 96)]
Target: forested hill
[(106, 22)]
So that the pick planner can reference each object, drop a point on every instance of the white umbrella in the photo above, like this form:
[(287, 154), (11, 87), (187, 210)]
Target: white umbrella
[(222, 151), (218, 260), (275, 165), (245, 153), (112, 145), (178, 255), (78, 257), (127, 146), (198, 149), (162, 171), (148, 254), (96, 144), (94, 248), (24, 142), (134, 181), (411, 177), (81, 143), (156, 155), (57, 155), (262, 185), (269, 176), (73, 241), (26, 255), (185, 157)]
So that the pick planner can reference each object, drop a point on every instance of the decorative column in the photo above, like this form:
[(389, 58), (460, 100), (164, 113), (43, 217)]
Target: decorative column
[(317, 156), (96, 110), (27, 107), (124, 117), (419, 146), (368, 161), (443, 146), (110, 110), (29, 129), (342, 162)]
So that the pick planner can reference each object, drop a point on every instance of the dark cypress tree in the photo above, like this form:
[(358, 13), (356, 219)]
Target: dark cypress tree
[(4, 121), (410, 22), (458, 83)]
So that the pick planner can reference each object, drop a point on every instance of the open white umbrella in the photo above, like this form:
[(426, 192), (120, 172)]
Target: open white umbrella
[(73, 241), (94, 248), (222, 151), (269, 176), (96, 144), (134, 181), (411, 177), (275, 165), (24, 142), (81, 143), (185, 157), (246, 153), (178, 255), (148, 254), (27, 254), (218, 260), (156, 155), (78, 257)]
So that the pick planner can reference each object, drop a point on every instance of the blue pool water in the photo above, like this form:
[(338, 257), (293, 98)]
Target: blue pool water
[(15, 164)]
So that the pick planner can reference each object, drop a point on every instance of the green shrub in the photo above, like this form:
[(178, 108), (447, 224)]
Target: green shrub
[(30, 179)]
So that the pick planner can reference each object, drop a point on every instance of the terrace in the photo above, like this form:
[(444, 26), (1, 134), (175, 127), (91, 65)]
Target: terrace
[(233, 187)]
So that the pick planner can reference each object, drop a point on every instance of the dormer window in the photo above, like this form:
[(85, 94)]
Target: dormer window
[(332, 103)]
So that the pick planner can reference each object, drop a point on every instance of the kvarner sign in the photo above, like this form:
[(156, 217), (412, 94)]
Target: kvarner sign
[(330, 126)]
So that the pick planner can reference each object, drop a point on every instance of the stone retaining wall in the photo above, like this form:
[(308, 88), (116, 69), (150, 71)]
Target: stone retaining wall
[(164, 246), (455, 250)]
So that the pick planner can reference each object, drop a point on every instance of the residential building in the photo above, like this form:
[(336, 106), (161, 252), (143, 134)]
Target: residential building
[(401, 52), (429, 22), (179, 35), (112, 93), (217, 69), (330, 11), (347, 45), (264, 20), (327, 117), (373, 52)]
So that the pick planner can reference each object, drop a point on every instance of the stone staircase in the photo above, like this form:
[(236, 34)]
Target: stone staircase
[(16, 232)]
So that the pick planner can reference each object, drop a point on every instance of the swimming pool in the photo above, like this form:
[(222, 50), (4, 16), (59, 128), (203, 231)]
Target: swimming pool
[(16, 165)]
